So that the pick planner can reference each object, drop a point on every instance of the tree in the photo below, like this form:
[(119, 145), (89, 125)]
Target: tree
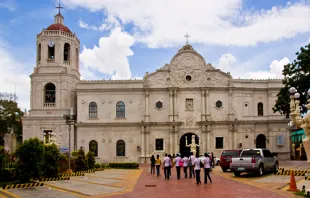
[(30, 159), (10, 115), (81, 162), (51, 157), (296, 74), (90, 160)]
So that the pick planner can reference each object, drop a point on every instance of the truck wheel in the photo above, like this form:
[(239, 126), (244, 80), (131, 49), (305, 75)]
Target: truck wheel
[(261, 170), (224, 169), (237, 174), (276, 168)]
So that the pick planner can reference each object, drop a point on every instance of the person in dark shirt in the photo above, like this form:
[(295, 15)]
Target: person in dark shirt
[(152, 164)]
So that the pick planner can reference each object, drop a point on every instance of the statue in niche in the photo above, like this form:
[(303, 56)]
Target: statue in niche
[(192, 145), (189, 104)]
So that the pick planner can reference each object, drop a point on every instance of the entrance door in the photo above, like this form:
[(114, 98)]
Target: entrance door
[(261, 141), (185, 151)]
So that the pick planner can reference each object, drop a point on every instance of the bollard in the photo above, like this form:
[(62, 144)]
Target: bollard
[(303, 187)]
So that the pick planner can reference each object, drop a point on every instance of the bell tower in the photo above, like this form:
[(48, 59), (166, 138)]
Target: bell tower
[(57, 70)]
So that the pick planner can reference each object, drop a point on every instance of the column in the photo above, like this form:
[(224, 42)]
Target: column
[(208, 131), (171, 106), (230, 109), (204, 140), (203, 108), (147, 114), (207, 106), (171, 140), (142, 142), (175, 112), (147, 141), (175, 141)]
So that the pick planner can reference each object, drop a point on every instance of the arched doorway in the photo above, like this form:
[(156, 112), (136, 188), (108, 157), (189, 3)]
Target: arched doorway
[(185, 151), (261, 141)]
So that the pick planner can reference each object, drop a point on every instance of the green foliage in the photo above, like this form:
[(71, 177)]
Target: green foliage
[(90, 160), (80, 162), (74, 154), (63, 156), (51, 157), (30, 159), (130, 165), (10, 116), (105, 166), (296, 74), (97, 165)]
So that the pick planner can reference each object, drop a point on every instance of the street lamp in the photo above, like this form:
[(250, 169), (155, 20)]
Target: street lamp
[(298, 121), (70, 120)]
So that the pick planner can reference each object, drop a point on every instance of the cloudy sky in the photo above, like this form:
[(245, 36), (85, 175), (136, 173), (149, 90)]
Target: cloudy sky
[(123, 39)]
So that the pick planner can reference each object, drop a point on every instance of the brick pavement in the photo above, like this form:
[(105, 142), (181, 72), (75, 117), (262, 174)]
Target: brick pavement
[(221, 187)]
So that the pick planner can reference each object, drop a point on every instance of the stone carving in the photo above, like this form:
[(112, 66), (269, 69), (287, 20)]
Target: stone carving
[(82, 141), (110, 140), (189, 121), (130, 101), (103, 140), (189, 104), (110, 101), (102, 101), (83, 102), (130, 140)]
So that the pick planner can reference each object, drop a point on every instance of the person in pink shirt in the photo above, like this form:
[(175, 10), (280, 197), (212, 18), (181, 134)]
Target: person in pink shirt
[(178, 160)]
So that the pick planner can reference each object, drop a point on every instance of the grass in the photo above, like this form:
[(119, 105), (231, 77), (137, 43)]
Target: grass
[(301, 193)]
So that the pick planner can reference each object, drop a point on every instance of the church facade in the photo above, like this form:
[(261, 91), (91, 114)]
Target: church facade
[(130, 120)]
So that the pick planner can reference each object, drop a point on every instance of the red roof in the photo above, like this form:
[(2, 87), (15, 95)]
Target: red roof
[(58, 26)]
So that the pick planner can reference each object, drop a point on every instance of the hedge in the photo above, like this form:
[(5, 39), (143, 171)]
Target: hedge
[(129, 165)]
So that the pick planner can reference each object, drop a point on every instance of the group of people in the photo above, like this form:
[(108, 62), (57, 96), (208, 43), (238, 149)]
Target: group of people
[(191, 163)]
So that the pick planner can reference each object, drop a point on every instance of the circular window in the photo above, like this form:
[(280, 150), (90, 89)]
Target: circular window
[(188, 78), (218, 104), (208, 79), (245, 105), (159, 105)]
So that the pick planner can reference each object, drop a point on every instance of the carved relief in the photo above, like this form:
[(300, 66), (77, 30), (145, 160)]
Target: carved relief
[(189, 120), (189, 104)]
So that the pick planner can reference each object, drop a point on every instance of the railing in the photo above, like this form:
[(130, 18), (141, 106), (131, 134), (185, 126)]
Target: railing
[(67, 62), (50, 60), (49, 104)]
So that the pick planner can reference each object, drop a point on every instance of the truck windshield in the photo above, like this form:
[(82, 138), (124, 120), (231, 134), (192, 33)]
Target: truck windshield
[(250, 153), (230, 153)]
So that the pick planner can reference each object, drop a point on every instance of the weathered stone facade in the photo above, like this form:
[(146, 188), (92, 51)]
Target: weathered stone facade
[(185, 96)]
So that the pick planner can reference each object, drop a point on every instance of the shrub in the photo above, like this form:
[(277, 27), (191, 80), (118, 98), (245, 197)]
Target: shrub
[(80, 162), (104, 165), (51, 157), (90, 160), (63, 157), (130, 165), (30, 159), (74, 154), (97, 165)]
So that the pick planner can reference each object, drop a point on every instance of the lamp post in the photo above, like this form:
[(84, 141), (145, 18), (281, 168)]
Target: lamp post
[(298, 121), (70, 119)]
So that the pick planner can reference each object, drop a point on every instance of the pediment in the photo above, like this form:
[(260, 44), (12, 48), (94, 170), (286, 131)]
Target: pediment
[(187, 69)]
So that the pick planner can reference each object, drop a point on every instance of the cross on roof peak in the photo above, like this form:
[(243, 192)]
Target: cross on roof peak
[(59, 7), (186, 36)]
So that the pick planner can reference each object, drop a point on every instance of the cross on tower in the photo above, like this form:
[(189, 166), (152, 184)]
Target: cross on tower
[(187, 36), (59, 7)]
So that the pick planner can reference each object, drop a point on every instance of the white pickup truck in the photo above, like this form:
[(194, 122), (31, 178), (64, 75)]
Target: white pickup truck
[(254, 160)]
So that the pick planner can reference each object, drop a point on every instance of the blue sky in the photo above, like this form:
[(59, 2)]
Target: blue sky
[(249, 38)]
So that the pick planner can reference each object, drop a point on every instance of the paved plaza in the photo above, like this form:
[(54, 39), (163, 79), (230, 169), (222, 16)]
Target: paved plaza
[(139, 183)]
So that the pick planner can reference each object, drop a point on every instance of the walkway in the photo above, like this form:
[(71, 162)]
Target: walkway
[(151, 186)]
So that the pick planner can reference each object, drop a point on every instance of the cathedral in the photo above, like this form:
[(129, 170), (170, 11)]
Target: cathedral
[(130, 120)]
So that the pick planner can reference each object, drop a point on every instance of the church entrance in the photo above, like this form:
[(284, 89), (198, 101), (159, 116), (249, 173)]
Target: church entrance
[(261, 141), (185, 151)]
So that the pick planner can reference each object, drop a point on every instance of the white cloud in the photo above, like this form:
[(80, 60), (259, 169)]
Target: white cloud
[(111, 56), (13, 76), (225, 61), (8, 4), (161, 23)]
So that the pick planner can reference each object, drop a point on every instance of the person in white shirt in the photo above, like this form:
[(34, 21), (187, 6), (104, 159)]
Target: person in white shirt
[(177, 160), (191, 166), (207, 166), (197, 168), (167, 165), (185, 161)]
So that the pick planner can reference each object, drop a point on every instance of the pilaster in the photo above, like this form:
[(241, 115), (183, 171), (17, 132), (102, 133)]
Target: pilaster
[(171, 116), (203, 107), (142, 141), (231, 110), (208, 142), (208, 116), (175, 106), (147, 113)]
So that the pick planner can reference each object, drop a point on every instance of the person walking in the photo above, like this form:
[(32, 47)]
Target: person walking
[(171, 164), (167, 166), (197, 164), (178, 161), (207, 166), (157, 165), (152, 164), (185, 161), (191, 166)]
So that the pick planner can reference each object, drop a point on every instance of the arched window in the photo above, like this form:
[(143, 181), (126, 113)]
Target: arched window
[(261, 141), (51, 52), (260, 109), (67, 52), (93, 147), (39, 53), (120, 148), (77, 58), (92, 110), (50, 93), (120, 109)]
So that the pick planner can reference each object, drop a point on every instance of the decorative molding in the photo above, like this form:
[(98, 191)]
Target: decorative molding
[(128, 124), (243, 122), (130, 140), (103, 140), (102, 101), (130, 101), (83, 102), (110, 140), (110, 101), (189, 121), (82, 141)]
